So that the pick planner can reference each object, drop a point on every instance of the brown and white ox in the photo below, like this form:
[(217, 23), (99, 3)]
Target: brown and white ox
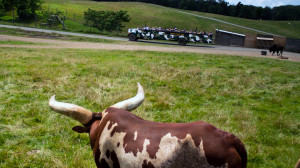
[(121, 139)]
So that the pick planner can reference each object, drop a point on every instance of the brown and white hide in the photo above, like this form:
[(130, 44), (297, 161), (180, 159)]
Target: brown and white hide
[(121, 139)]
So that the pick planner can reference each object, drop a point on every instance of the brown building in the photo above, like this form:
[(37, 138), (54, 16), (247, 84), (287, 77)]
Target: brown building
[(227, 38), (250, 40)]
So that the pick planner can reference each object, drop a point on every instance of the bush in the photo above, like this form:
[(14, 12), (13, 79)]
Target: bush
[(44, 15), (26, 8), (106, 20)]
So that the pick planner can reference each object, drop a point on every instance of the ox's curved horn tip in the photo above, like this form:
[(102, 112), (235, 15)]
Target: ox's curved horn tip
[(140, 92), (134, 102), (52, 99), (140, 88)]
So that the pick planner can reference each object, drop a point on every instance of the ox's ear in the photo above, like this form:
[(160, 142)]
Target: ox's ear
[(80, 129)]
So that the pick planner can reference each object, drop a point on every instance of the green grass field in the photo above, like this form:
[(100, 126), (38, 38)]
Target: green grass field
[(256, 99), (24, 33), (152, 15)]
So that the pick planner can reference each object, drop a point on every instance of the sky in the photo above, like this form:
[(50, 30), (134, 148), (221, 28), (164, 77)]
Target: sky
[(263, 3)]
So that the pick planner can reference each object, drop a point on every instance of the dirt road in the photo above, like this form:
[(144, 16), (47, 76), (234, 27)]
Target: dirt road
[(40, 43)]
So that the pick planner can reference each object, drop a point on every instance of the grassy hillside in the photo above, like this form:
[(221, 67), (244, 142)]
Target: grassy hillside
[(256, 99), (153, 15), (285, 28)]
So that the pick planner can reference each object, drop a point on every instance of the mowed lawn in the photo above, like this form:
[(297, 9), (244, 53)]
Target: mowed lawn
[(254, 98)]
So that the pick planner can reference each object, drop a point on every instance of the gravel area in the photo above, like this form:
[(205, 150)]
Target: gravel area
[(237, 51)]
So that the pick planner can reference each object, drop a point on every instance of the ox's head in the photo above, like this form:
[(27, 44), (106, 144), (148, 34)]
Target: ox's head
[(88, 118)]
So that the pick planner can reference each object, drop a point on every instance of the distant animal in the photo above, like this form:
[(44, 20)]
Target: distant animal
[(121, 139), (276, 48)]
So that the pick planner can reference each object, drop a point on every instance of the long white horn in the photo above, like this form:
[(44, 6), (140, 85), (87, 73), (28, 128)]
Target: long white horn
[(71, 110), (132, 103)]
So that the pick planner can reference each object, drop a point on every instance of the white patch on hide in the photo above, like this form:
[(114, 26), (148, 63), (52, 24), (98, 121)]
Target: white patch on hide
[(135, 135), (172, 152), (104, 113)]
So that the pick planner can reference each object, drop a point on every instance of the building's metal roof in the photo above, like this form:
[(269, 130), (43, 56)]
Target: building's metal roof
[(223, 31)]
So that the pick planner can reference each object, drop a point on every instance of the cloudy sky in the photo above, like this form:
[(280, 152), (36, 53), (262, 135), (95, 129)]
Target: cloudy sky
[(263, 3)]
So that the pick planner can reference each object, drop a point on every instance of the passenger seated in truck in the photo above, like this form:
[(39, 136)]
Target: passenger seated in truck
[(200, 34), (210, 35)]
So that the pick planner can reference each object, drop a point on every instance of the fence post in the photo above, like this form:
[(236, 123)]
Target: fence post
[(90, 27), (56, 10), (117, 27), (35, 19), (64, 27), (13, 21)]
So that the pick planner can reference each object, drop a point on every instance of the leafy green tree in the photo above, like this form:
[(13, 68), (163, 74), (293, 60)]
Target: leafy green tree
[(189, 5), (26, 8), (247, 11), (2, 9), (223, 8), (174, 3), (266, 13), (6, 5), (106, 20), (258, 12), (238, 9), (211, 6)]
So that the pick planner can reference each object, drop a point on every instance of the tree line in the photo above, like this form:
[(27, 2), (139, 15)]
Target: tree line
[(26, 9), (287, 12)]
